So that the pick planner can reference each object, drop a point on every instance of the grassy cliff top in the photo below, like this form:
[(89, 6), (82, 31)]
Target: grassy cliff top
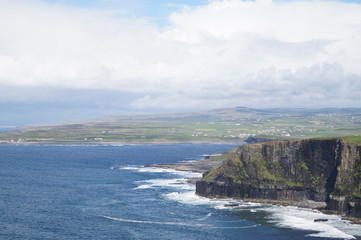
[(353, 139), (347, 139)]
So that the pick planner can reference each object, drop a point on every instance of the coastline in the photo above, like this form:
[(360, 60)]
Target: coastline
[(203, 165), (116, 143), (198, 166)]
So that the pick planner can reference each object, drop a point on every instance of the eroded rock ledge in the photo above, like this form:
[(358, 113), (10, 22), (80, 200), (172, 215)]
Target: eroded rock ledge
[(326, 172)]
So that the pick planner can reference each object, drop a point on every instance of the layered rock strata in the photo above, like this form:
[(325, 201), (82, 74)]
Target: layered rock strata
[(326, 171)]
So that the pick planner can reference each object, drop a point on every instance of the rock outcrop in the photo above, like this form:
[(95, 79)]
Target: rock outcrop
[(321, 170)]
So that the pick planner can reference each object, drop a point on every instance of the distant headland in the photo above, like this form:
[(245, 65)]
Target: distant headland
[(218, 125)]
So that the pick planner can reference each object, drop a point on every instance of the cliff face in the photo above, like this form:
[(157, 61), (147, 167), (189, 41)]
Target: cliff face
[(326, 171)]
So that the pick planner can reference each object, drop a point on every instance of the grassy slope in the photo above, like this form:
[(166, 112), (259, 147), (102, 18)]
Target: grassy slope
[(353, 139)]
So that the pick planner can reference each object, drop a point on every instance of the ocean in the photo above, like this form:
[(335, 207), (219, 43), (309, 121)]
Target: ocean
[(105, 192)]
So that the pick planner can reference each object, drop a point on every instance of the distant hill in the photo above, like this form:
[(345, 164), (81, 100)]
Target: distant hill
[(217, 125)]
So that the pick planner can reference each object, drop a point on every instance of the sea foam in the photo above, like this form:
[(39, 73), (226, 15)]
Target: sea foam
[(285, 217), (178, 183), (157, 222), (303, 219)]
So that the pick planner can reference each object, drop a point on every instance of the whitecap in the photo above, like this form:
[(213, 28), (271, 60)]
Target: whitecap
[(187, 174), (303, 219), (156, 170), (178, 183), (157, 222), (189, 197), (240, 227), (145, 186), (205, 217), (125, 168), (178, 223), (289, 217)]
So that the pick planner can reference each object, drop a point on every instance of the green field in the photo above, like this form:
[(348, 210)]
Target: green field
[(231, 124)]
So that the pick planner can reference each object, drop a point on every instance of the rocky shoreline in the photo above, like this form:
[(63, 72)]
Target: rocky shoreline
[(199, 166), (204, 165)]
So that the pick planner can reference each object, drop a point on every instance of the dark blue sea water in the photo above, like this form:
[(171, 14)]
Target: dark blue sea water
[(104, 192)]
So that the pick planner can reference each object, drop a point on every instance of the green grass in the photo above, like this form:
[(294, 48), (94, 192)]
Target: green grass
[(358, 195), (217, 125), (353, 139), (304, 165)]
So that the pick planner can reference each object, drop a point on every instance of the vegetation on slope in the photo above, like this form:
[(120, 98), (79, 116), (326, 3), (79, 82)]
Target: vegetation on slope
[(270, 163), (233, 124)]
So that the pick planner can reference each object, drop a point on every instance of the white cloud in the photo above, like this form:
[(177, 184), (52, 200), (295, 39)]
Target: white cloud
[(318, 85), (225, 53)]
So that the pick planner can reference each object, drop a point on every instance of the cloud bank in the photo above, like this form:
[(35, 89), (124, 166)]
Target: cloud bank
[(226, 53)]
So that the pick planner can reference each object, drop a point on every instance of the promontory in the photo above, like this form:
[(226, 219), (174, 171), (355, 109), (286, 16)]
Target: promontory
[(320, 173)]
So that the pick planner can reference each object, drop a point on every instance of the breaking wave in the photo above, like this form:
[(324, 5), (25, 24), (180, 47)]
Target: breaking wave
[(284, 217)]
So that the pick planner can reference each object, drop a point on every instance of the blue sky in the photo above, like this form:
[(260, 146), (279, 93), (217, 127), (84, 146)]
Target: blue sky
[(72, 59), (158, 10)]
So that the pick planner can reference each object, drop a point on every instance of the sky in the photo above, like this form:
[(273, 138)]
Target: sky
[(73, 59)]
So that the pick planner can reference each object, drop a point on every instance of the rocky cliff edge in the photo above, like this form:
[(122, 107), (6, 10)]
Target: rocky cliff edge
[(324, 171)]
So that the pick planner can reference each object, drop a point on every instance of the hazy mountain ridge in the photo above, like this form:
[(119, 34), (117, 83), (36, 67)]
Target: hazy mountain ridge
[(225, 124)]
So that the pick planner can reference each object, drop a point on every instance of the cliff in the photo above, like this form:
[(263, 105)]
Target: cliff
[(326, 171)]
